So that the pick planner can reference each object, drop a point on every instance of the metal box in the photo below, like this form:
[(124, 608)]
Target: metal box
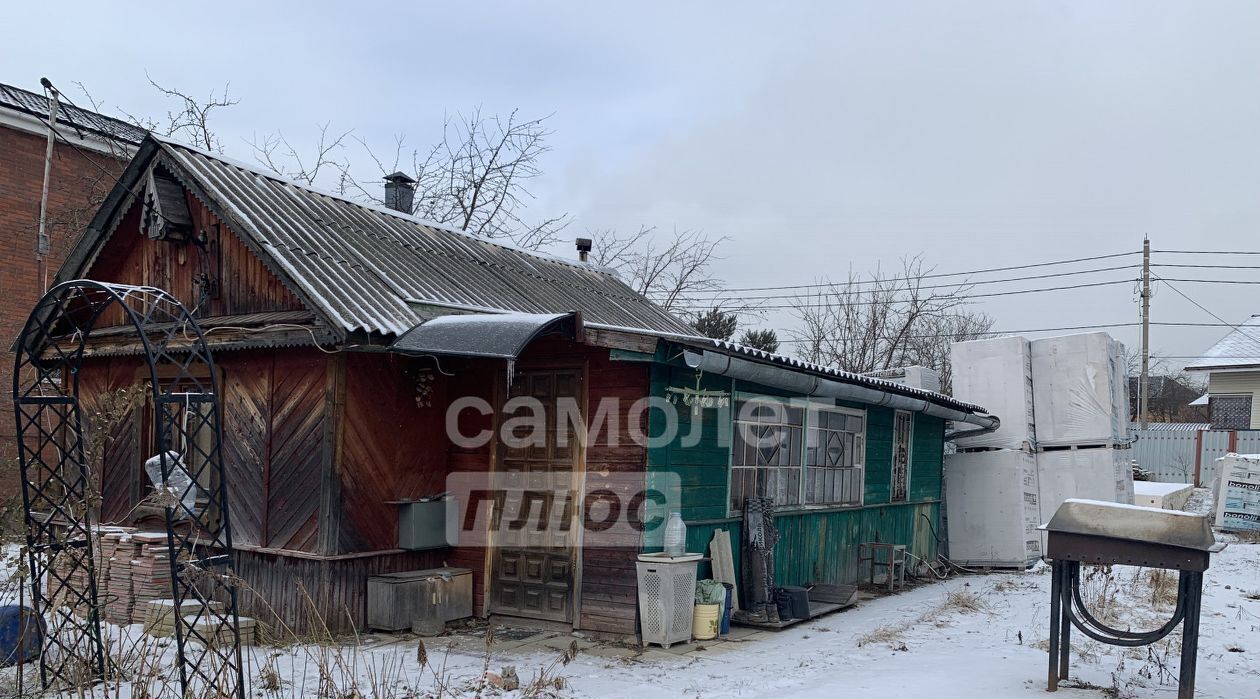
[(394, 599), (423, 525)]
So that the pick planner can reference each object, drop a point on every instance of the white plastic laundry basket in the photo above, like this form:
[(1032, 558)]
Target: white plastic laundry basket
[(667, 597)]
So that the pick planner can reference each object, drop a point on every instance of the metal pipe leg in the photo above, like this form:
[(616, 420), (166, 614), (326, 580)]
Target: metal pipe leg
[(1056, 619), (1071, 577), (1190, 636)]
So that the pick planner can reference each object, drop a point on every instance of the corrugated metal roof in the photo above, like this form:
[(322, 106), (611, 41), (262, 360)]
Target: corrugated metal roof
[(1240, 348), (736, 349), (37, 105), (372, 269), (1177, 426)]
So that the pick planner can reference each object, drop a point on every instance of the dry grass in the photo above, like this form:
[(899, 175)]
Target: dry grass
[(144, 667), (959, 601)]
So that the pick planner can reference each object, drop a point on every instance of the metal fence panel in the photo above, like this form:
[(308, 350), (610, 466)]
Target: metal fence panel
[(1168, 454), (1171, 454)]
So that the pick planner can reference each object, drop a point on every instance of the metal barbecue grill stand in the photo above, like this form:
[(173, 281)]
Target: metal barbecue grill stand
[(1103, 533)]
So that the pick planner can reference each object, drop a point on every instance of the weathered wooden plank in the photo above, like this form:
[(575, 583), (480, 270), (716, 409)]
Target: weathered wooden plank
[(621, 340)]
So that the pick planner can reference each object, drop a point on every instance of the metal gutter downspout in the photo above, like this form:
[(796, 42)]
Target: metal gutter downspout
[(810, 385)]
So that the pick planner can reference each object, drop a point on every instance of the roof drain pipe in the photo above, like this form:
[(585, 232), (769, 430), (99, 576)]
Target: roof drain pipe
[(816, 386)]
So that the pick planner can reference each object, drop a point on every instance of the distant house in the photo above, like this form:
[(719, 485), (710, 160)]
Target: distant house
[(1170, 400), (344, 333), (90, 141), (1233, 369)]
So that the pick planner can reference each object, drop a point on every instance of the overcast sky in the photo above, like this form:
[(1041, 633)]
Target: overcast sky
[(822, 138)]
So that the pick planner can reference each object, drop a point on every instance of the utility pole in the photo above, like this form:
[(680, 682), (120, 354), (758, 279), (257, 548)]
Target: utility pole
[(41, 242), (1144, 383)]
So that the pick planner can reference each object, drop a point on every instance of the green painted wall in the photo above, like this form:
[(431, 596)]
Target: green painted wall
[(817, 545)]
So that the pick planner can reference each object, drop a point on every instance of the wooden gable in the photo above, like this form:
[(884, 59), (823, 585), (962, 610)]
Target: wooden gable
[(211, 269)]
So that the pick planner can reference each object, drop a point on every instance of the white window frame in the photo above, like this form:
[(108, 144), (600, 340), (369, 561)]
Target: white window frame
[(810, 408)]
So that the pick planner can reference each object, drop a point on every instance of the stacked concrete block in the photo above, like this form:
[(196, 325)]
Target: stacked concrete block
[(1080, 395), (1064, 407), (998, 375), (992, 507)]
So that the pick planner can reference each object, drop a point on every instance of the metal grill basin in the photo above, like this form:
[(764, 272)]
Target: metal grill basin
[(1092, 531)]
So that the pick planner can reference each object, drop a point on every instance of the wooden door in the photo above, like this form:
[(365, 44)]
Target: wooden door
[(533, 571)]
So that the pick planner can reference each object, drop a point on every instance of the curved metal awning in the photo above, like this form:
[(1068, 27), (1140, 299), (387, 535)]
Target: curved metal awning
[(495, 335)]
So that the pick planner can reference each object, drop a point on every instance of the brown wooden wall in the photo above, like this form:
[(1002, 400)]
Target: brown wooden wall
[(390, 447), (274, 421), (473, 378)]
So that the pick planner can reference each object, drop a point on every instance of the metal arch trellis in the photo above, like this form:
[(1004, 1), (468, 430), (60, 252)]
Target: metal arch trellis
[(57, 483)]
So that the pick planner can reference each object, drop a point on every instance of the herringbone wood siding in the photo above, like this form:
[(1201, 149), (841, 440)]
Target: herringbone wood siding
[(391, 448)]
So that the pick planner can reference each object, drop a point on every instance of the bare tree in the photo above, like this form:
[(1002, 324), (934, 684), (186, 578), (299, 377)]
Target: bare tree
[(929, 345), (276, 153), (475, 178), (190, 120), (865, 325), (667, 271)]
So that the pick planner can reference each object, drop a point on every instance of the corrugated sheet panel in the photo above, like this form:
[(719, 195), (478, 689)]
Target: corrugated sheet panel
[(834, 373), (370, 269), (37, 105), (1171, 454)]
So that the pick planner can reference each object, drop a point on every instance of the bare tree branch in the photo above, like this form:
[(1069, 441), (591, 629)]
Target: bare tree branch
[(865, 325), (668, 271), (190, 121)]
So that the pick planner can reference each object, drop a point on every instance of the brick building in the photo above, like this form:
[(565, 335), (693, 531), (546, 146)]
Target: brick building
[(82, 174)]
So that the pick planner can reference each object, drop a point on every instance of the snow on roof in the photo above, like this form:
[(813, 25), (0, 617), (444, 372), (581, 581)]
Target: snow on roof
[(1240, 348)]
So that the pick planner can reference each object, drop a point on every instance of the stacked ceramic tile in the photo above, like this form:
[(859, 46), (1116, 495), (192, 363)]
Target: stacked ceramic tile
[(159, 619), (150, 574), (216, 631)]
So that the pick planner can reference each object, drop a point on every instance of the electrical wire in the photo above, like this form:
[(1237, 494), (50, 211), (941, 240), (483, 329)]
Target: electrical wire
[(1204, 308), (956, 336), (1208, 252), (945, 274), (717, 293), (1210, 281), (750, 307), (1207, 266)]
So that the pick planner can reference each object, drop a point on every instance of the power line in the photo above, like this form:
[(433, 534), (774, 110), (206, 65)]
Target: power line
[(929, 298), (1211, 281), (1209, 252), (943, 274), (1209, 266), (1205, 310), (718, 293), (1098, 326)]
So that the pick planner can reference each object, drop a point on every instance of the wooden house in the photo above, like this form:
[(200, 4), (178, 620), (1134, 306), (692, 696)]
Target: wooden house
[(344, 332)]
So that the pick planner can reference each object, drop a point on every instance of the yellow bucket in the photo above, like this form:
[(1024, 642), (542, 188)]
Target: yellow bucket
[(705, 621)]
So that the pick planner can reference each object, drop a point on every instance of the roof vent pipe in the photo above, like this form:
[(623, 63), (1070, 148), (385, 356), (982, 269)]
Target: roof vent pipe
[(400, 191), (584, 249)]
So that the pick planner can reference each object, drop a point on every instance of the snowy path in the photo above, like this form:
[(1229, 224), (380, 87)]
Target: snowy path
[(958, 654), (924, 642)]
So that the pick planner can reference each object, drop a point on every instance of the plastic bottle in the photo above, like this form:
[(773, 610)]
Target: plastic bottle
[(675, 535)]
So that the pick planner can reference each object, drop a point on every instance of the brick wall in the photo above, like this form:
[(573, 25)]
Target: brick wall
[(77, 185)]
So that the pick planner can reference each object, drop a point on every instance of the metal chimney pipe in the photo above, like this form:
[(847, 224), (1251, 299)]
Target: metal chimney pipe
[(400, 191), (584, 249)]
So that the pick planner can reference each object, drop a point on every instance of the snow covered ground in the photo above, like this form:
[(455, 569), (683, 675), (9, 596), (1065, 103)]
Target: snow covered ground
[(970, 636)]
